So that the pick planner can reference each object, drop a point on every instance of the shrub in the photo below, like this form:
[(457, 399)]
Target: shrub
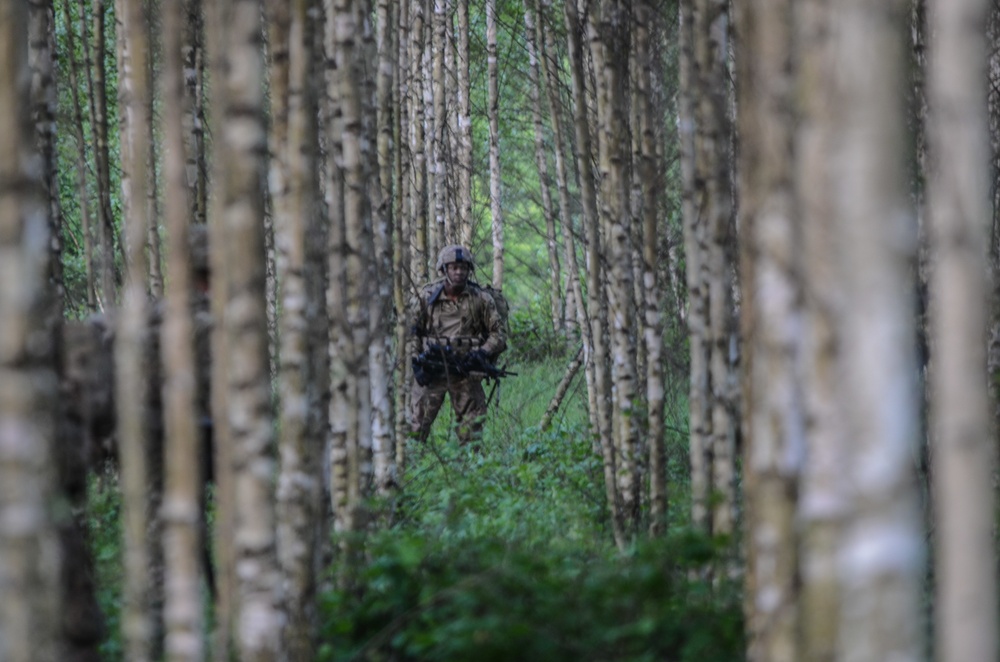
[(489, 599)]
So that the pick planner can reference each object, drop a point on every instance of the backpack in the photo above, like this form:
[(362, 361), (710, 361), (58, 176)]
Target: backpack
[(500, 301)]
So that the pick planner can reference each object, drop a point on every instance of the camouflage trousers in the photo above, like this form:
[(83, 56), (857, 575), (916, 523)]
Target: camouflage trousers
[(468, 401)]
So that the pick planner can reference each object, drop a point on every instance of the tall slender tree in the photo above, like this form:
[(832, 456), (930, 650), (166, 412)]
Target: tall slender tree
[(596, 299), (29, 548), (182, 490), (647, 26), (131, 347), (463, 90), (299, 491), (822, 503), (770, 316), (962, 435), (384, 433), (882, 548), (258, 618), (610, 52), (493, 117), (541, 162)]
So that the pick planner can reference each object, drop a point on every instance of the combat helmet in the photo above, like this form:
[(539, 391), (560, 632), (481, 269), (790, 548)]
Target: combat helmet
[(455, 253)]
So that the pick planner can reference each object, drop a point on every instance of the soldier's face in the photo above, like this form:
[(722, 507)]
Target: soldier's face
[(458, 273)]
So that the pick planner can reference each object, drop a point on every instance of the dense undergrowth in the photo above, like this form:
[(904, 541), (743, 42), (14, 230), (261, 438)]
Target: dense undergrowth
[(504, 553)]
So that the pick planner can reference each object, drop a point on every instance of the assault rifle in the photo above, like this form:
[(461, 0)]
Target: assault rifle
[(438, 361)]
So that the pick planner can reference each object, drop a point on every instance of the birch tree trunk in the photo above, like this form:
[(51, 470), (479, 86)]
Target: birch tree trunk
[(193, 58), (383, 429), (140, 622), (651, 184), (712, 154), (420, 246), (462, 94), (257, 598), (993, 106), (770, 312), (153, 243), (182, 502), (29, 546), (573, 285), (609, 52), (217, 21), (358, 274), (695, 250), (882, 551), (822, 503), (439, 124), (401, 265), (340, 404), (493, 116), (541, 162), (299, 378), (964, 442), (596, 304)]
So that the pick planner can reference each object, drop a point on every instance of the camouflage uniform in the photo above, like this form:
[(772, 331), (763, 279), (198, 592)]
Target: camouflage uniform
[(467, 323)]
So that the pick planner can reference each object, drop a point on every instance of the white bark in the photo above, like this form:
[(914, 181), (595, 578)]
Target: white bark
[(822, 497), (882, 551), (181, 506), (493, 115), (131, 368), (259, 618), (963, 440), (29, 546)]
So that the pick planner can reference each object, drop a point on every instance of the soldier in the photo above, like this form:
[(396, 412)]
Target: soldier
[(452, 313)]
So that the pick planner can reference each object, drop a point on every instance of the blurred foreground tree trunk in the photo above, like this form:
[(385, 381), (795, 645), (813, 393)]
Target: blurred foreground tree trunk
[(962, 434), (882, 549), (217, 22), (139, 458), (257, 615), (182, 503), (298, 233), (30, 615), (822, 494), (770, 316)]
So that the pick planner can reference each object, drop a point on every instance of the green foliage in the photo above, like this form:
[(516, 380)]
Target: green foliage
[(493, 599), (104, 532), (531, 335)]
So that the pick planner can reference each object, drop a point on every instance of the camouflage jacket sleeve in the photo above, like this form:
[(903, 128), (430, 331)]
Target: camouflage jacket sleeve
[(415, 323), (496, 336)]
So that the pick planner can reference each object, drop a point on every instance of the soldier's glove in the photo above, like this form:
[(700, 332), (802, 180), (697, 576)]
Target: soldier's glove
[(420, 374)]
